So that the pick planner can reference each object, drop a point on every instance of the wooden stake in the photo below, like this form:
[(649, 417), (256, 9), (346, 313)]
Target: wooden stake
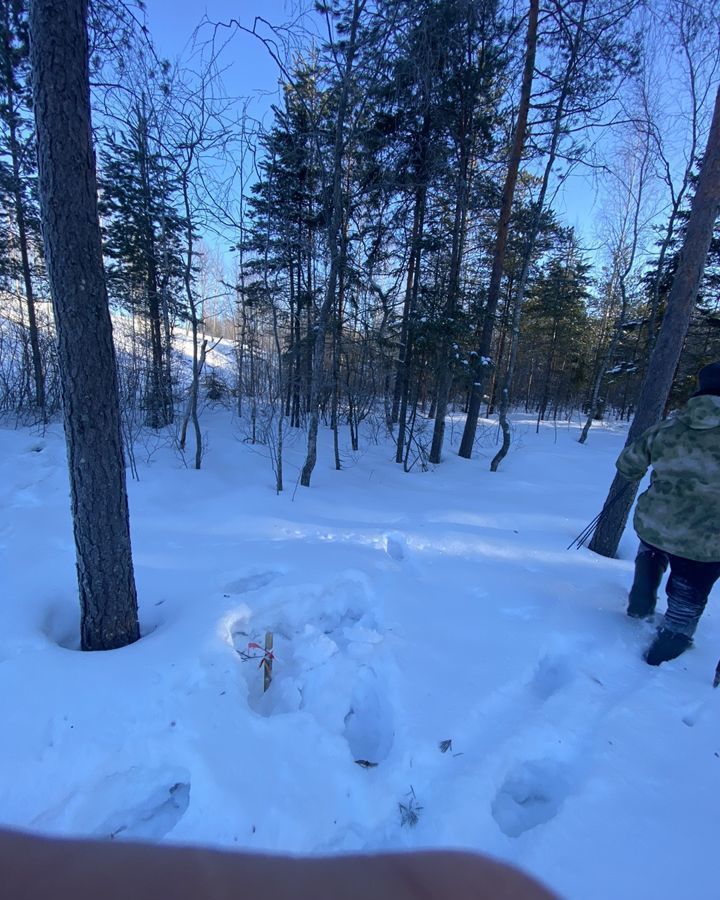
[(267, 662)]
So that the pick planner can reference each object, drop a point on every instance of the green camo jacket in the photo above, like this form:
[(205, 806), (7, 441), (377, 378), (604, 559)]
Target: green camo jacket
[(680, 511)]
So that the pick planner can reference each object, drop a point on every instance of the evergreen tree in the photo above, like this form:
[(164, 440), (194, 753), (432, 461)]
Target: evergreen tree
[(555, 328), (702, 344), (20, 229), (286, 221), (71, 231), (143, 233), (586, 53)]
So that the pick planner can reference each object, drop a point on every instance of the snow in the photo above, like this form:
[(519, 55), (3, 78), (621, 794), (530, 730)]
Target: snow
[(407, 611)]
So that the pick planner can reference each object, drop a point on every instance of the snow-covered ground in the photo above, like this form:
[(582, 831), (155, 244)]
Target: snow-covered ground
[(408, 611)]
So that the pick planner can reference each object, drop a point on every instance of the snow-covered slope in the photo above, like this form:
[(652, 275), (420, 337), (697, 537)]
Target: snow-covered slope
[(408, 611)]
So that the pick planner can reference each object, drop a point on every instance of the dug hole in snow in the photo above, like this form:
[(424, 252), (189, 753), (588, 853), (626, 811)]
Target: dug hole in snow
[(445, 673)]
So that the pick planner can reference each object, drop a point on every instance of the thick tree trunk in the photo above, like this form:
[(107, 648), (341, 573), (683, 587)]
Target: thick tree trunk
[(71, 230), (681, 302), (483, 352)]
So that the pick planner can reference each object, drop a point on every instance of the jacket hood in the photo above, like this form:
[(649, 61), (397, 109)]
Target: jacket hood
[(702, 412)]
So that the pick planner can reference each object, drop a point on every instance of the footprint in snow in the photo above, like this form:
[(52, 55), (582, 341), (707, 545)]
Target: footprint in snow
[(369, 723), (154, 817), (696, 713), (531, 795), (135, 804), (553, 673)]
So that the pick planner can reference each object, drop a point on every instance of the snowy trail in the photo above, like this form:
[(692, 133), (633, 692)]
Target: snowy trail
[(406, 611)]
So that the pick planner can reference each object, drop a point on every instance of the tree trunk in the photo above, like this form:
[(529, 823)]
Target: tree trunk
[(198, 357), (509, 373), (681, 302), (402, 378), (337, 347), (191, 413), (278, 452), (413, 277), (291, 350), (445, 375), (605, 359), (160, 412), (14, 148), (335, 251), (468, 438), (71, 230)]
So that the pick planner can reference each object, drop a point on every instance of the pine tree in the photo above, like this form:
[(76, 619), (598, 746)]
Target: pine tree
[(71, 231), (20, 236), (143, 231), (556, 322), (588, 53), (286, 222), (473, 86)]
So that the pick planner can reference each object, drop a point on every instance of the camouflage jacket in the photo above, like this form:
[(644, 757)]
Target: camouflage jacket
[(680, 511)]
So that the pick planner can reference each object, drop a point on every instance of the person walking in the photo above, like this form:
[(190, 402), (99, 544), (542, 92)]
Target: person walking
[(678, 517)]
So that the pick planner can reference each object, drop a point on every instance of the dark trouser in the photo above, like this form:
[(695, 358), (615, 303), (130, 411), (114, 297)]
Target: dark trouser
[(687, 589)]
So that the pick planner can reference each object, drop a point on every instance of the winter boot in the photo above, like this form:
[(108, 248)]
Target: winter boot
[(666, 646), (649, 569)]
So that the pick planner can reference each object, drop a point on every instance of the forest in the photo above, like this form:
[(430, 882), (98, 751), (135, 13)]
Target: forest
[(392, 241), (330, 371)]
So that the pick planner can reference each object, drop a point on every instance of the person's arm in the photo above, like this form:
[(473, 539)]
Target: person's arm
[(35, 868), (633, 462)]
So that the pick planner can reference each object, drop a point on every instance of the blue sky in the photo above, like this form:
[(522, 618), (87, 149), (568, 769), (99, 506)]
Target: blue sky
[(250, 70)]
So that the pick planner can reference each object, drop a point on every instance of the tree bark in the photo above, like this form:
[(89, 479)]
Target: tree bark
[(663, 363), (527, 259), (71, 230), (468, 438)]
